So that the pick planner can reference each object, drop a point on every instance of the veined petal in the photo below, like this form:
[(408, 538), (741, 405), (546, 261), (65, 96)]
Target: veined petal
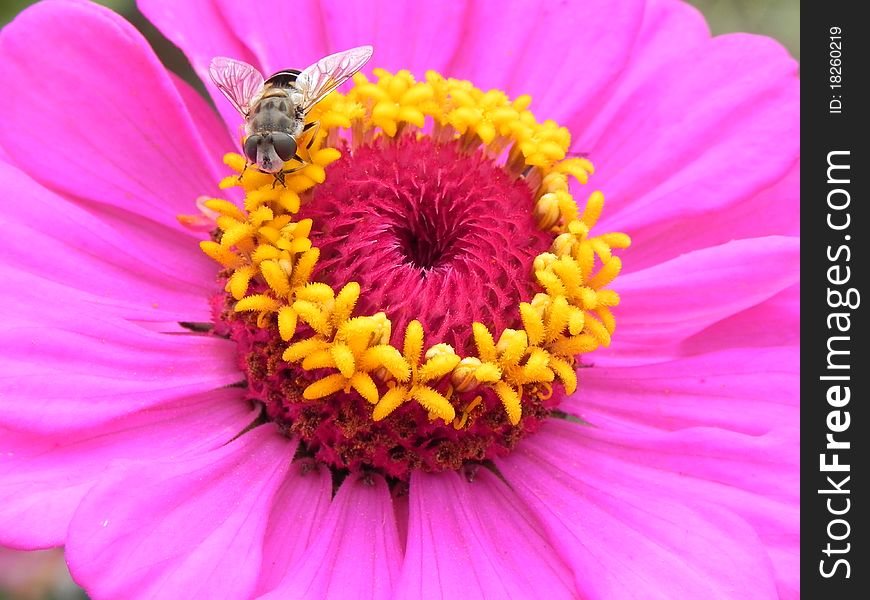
[(273, 46), (666, 303), (772, 211), (356, 553), (431, 32), (753, 477), (579, 40), (723, 389), (774, 322), (118, 132), (202, 32), (44, 477), (213, 131), (61, 373), (297, 516), (119, 260), (669, 30), (628, 538), (716, 124), (214, 507), (476, 540)]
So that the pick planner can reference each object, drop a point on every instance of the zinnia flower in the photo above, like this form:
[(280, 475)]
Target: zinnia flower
[(363, 384)]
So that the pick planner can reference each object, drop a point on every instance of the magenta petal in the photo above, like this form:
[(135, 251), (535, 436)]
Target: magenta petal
[(668, 302), (61, 373), (43, 478), (183, 528), (742, 390), (774, 322), (277, 48), (670, 29), (416, 36), (630, 537), (476, 540), (202, 32), (146, 278), (121, 135), (356, 553), (737, 219), (755, 477), (718, 124), (296, 518), (212, 129), (564, 55)]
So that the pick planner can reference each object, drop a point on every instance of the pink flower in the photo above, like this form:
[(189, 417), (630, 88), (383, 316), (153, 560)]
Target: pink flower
[(672, 472)]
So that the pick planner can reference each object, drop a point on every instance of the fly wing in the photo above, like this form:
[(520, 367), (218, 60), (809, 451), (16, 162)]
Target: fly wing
[(237, 80), (329, 72)]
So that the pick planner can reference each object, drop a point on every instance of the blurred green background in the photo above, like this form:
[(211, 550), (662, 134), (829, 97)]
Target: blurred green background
[(42, 576)]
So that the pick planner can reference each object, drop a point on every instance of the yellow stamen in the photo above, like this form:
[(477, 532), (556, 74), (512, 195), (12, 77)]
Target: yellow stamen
[(365, 386), (287, 320), (324, 387), (511, 401), (389, 402), (257, 302)]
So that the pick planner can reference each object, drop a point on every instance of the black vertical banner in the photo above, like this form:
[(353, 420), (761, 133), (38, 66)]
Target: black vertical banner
[(835, 342)]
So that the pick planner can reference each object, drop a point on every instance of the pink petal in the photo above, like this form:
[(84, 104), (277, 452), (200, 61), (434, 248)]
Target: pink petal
[(741, 389), (669, 302), (564, 55), (634, 537), (61, 373), (755, 477), (356, 553), (773, 211), (43, 478), (717, 125), (121, 136), (184, 527), (202, 32), (212, 130), (277, 48), (416, 36), (148, 279), (296, 519), (669, 30), (774, 322), (476, 540), (766, 465), (405, 35)]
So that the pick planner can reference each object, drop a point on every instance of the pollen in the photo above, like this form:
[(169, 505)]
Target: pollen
[(419, 294)]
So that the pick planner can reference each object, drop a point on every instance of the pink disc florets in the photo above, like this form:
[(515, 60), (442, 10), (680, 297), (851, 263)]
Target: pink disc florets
[(431, 234)]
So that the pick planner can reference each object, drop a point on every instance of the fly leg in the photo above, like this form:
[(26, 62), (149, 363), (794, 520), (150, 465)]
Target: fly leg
[(279, 177), (315, 125)]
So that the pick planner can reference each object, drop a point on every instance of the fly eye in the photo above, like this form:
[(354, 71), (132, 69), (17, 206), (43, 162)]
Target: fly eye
[(285, 146), (251, 147)]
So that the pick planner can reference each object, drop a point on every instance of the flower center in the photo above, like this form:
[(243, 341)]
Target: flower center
[(418, 295), (429, 233)]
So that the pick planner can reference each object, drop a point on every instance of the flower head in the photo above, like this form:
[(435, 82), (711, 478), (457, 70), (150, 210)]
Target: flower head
[(379, 376), (365, 323)]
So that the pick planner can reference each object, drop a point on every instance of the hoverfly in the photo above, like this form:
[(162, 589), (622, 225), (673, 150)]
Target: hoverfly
[(275, 108)]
